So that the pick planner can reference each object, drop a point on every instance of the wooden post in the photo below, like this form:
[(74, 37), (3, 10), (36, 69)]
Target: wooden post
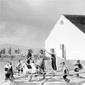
[(63, 51)]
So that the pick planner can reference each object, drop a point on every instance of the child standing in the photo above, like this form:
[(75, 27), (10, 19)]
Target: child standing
[(66, 73)]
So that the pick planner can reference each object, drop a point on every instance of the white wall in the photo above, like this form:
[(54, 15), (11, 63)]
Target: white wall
[(68, 34)]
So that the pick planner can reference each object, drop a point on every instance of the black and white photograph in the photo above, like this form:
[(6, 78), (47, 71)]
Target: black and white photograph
[(42, 42)]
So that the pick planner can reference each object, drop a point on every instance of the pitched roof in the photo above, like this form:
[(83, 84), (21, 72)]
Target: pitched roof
[(78, 20)]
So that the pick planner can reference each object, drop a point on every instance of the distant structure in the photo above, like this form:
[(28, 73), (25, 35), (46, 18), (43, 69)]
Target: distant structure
[(69, 32)]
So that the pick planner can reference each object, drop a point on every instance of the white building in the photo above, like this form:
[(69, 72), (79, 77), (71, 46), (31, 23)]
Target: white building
[(68, 30)]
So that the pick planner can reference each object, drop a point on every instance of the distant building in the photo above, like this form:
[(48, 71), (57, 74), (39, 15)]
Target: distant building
[(69, 31)]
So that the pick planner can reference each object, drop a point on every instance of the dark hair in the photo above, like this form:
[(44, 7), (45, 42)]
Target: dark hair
[(30, 50), (41, 51), (52, 50), (28, 61), (78, 61), (10, 63), (19, 60), (63, 63)]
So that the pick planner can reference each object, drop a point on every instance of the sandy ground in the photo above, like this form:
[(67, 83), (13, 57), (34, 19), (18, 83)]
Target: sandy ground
[(2, 71), (52, 81)]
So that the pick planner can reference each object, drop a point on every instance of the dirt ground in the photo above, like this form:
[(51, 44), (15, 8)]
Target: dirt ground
[(73, 80)]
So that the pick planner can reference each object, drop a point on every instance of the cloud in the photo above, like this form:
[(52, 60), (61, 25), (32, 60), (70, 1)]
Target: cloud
[(28, 22), (20, 34)]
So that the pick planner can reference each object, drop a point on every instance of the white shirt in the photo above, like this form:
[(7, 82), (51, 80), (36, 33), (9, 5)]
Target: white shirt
[(7, 66)]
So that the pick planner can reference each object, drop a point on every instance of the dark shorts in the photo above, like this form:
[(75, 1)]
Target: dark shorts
[(6, 69), (29, 66), (64, 77), (20, 70), (7, 75), (76, 70)]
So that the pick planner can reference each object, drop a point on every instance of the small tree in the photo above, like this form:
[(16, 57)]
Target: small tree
[(17, 51), (0, 54), (4, 50), (10, 51)]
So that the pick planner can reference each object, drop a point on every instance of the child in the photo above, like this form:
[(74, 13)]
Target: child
[(42, 66), (19, 67), (66, 73), (11, 70), (78, 67), (29, 55), (53, 58), (7, 71)]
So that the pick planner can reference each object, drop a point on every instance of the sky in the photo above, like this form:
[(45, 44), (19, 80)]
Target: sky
[(29, 22)]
